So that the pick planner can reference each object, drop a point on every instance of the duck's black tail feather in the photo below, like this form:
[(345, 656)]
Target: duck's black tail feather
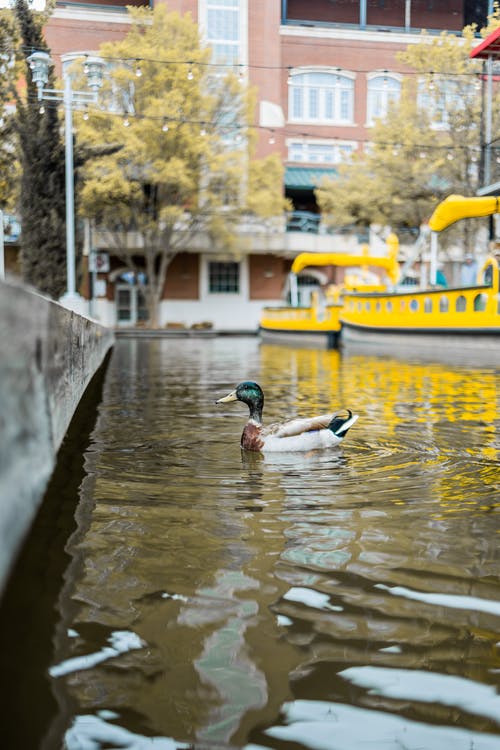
[(340, 425)]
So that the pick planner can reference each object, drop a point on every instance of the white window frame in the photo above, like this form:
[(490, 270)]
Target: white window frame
[(240, 45), (231, 297), (338, 150), (382, 90), (315, 99)]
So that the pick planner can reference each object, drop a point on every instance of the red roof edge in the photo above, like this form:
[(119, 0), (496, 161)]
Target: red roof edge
[(482, 50)]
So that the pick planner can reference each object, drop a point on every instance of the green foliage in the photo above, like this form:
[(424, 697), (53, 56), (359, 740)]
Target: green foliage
[(182, 169), (40, 196), (418, 154), (263, 197), (9, 165)]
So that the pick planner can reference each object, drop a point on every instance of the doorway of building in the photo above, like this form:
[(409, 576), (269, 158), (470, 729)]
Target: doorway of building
[(130, 304), (306, 285)]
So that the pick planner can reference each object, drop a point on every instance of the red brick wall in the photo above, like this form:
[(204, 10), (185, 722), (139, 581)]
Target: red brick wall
[(183, 277), (67, 35), (359, 59), (181, 6), (267, 276), (264, 59)]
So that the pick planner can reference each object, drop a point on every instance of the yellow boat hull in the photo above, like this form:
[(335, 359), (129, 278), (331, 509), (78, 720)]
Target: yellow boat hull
[(302, 326), (444, 322), (466, 311)]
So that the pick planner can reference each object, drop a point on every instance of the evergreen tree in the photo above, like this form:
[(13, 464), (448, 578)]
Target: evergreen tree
[(42, 161)]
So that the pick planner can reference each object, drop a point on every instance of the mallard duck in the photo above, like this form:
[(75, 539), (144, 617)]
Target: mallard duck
[(307, 434)]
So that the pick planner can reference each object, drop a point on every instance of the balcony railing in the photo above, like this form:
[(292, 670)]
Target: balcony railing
[(408, 17), (119, 6), (303, 221)]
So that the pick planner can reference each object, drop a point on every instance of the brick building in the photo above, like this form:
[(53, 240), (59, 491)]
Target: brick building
[(323, 69)]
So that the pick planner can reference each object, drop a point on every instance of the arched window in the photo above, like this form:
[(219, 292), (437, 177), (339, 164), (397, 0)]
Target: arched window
[(488, 275), (320, 96), (382, 90), (480, 302), (461, 304), (443, 304), (428, 305)]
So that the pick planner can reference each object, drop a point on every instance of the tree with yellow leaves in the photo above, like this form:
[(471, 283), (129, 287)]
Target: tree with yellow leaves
[(427, 147), (184, 168)]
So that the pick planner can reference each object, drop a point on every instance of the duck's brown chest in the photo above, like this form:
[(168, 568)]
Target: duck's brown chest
[(251, 439)]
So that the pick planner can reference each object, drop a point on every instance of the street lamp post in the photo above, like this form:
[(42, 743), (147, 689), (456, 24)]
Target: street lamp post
[(93, 67)]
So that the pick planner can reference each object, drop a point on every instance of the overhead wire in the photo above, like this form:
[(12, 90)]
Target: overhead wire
[(236, 66), (166, 121)]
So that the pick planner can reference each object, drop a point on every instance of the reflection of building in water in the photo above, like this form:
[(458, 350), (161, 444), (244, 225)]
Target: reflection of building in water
[(387, 390), (407, 510), (207, 588)]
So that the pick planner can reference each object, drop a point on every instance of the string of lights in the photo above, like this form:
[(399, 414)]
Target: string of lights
[(165, 122), (241, 68)]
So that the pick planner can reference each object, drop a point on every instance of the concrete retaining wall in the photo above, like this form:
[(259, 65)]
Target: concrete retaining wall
[(48, 356)]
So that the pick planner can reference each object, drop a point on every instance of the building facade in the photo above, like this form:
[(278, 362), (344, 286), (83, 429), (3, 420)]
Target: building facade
[(323, 71)]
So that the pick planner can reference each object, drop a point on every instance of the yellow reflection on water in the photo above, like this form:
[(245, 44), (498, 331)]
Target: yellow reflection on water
[(246, 573), (429, 429), (375, 385)]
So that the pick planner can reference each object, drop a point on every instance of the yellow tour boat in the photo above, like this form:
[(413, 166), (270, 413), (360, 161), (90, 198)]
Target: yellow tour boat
[(360, 311), (465, 317), (318, 324)]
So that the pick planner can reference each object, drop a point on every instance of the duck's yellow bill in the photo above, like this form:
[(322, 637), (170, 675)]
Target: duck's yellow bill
[(230, 397)]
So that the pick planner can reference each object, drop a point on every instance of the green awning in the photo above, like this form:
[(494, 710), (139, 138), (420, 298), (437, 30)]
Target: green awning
[(306, 178)]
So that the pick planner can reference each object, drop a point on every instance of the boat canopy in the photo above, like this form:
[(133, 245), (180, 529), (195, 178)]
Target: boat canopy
[(456, 207), (388, 262)]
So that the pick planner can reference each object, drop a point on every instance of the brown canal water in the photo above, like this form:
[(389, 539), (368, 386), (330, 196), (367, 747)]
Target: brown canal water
[(176, 593)]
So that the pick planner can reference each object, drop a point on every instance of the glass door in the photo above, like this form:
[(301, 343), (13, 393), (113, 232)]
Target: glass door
[(125, 305), (130, 305)]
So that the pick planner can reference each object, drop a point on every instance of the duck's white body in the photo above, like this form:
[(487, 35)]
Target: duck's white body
[(313, 433), (297, 434)]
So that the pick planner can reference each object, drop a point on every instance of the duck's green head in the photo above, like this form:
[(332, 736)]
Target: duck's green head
[(251, 394)]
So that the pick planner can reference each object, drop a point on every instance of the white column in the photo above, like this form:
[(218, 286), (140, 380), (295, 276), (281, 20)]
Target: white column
[(407, 15), (294, 291), (488, 123), (70, 189), (362, 14), (434, 258), (2, 249)]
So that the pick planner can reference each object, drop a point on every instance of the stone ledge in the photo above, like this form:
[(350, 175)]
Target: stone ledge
[(48, 357)]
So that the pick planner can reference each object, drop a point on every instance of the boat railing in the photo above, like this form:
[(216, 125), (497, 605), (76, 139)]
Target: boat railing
[(467, 305), (300, 313), (291, 313)]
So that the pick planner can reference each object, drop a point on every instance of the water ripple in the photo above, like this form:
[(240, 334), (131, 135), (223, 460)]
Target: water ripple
[(287, 599)]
